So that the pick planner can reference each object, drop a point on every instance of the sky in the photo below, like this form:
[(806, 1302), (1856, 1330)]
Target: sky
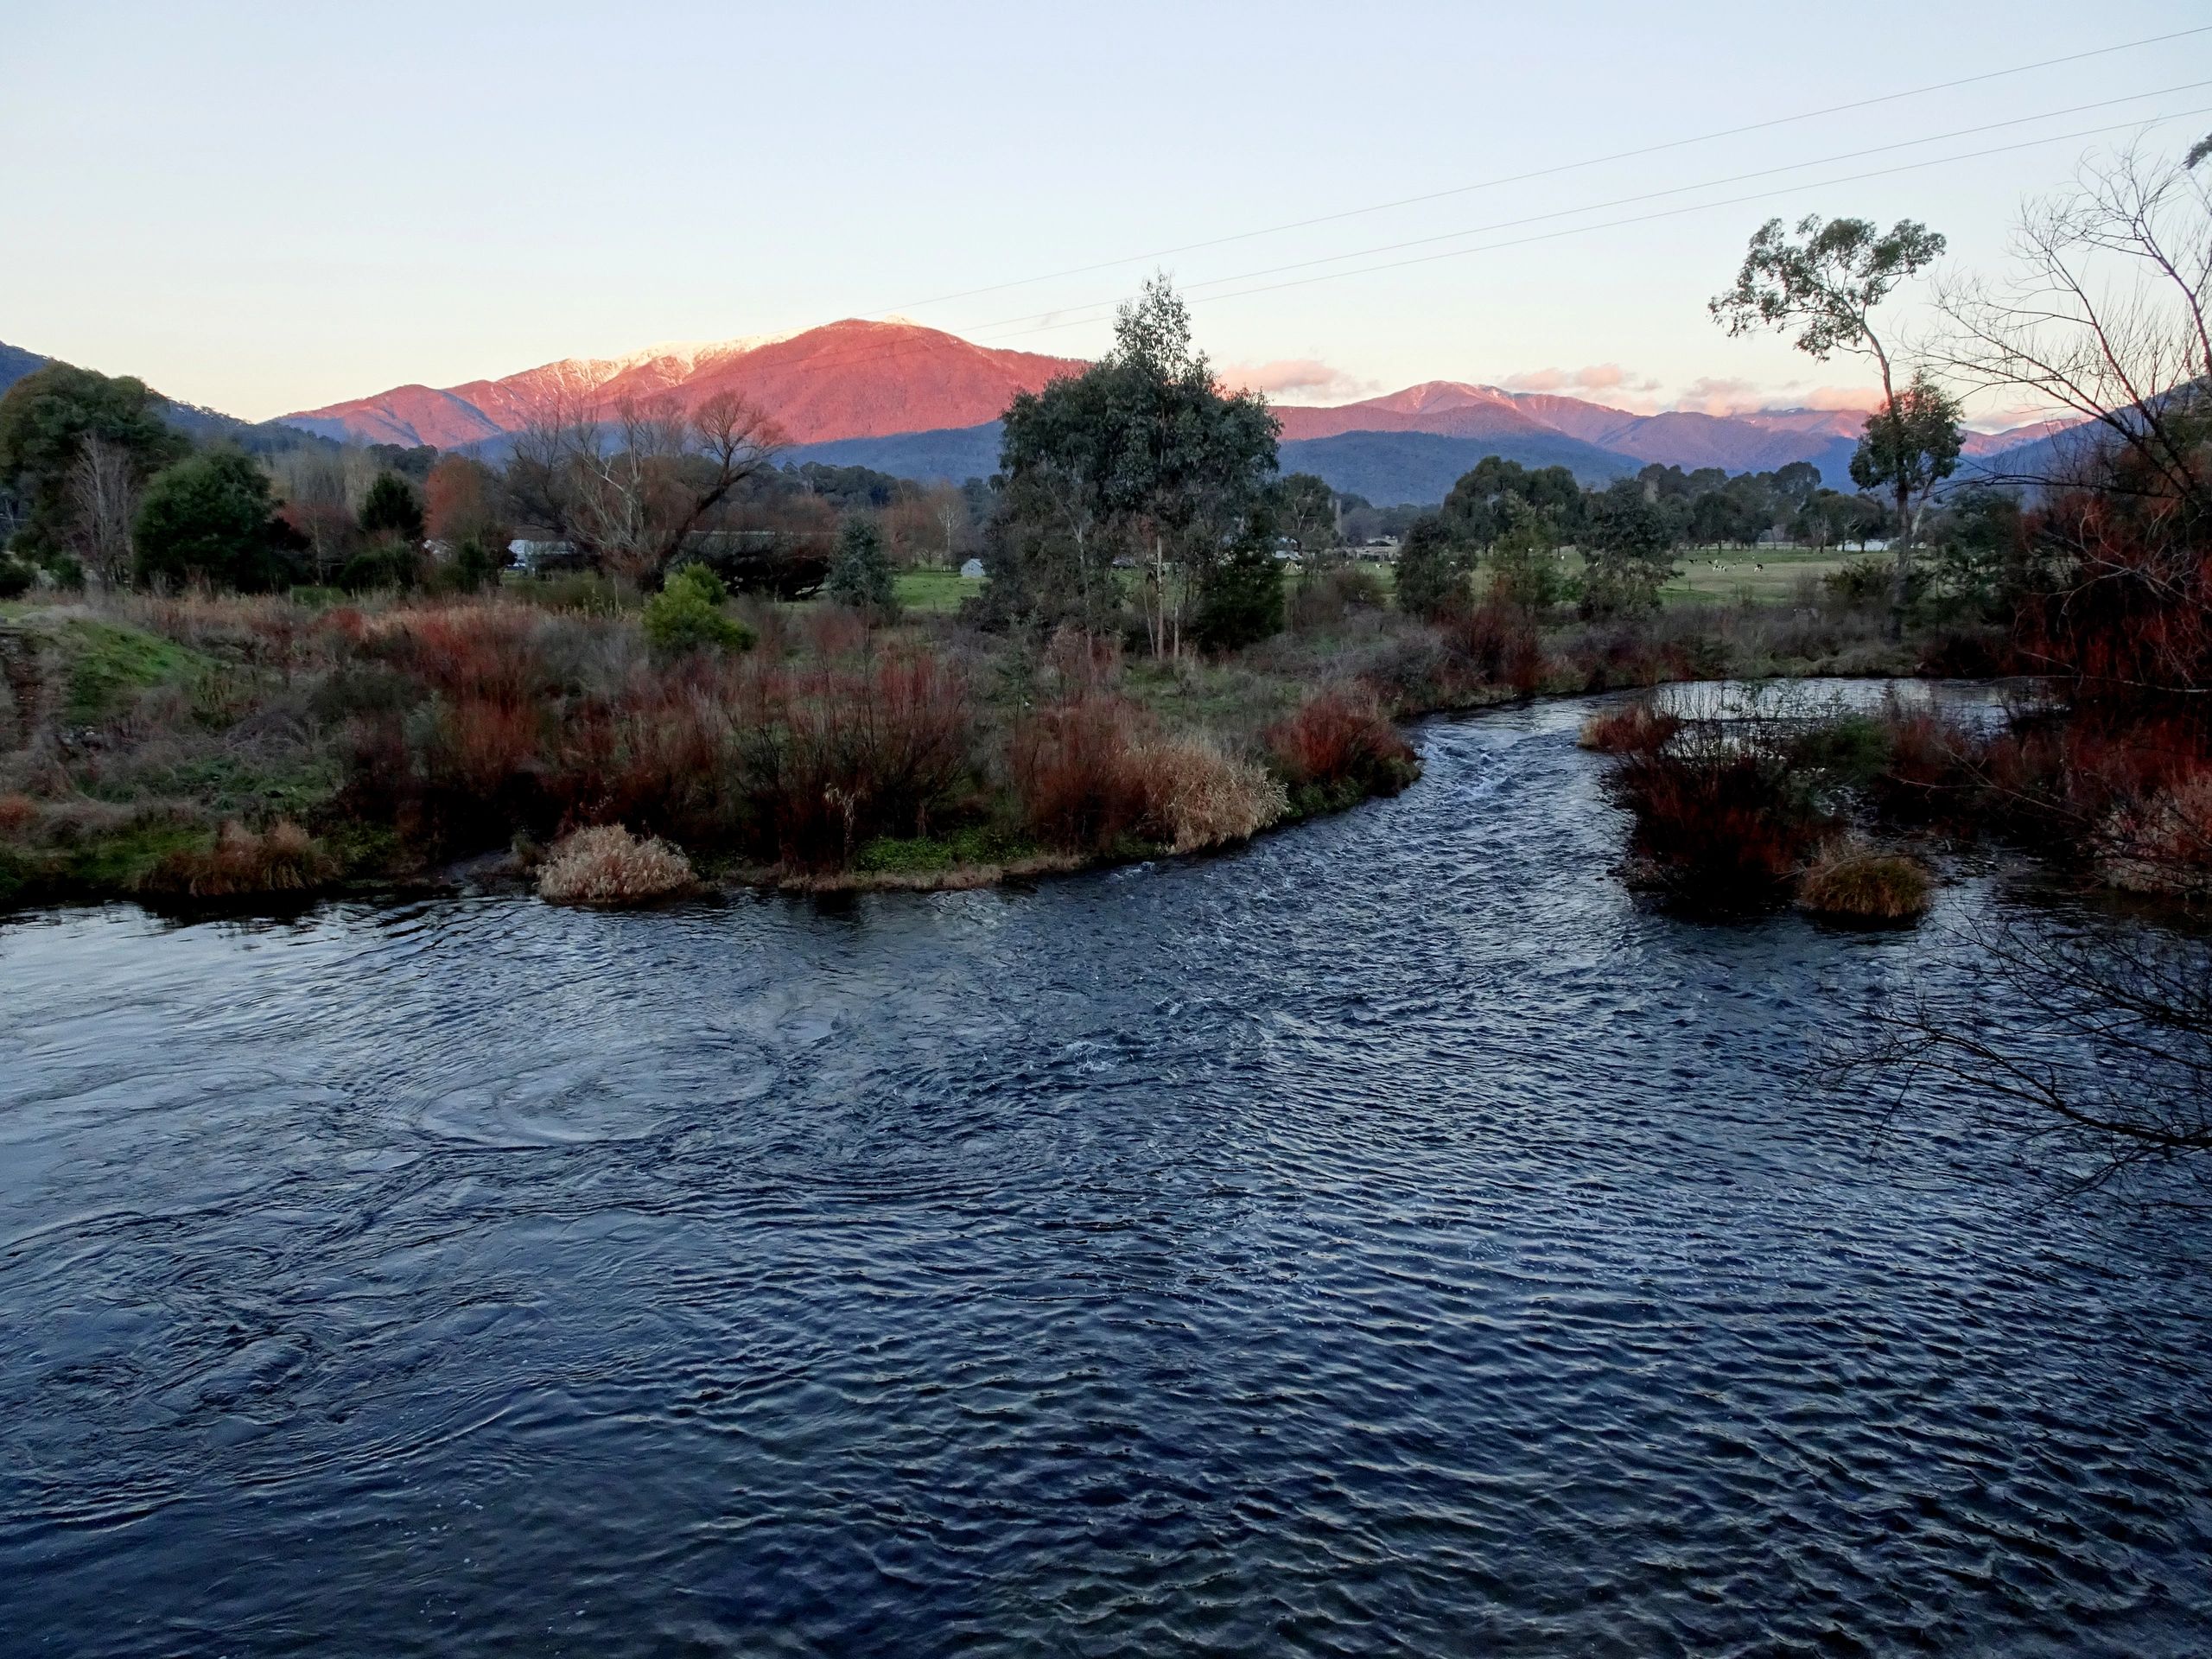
[(264, 208)]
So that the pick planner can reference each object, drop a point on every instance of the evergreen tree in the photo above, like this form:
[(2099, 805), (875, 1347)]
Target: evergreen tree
[(209, 519), (45, 418), (1432, 569), (1240, 600), (390, 510), (860, 573), (1627, 552)]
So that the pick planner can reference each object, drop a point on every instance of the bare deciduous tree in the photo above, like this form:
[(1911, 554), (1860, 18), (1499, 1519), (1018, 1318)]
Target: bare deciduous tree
[(103, 492), (2098, 1036), (316, 486), (628, 484), (2105, 318)]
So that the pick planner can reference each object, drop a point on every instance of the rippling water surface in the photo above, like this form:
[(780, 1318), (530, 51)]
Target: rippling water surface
[(1386, 1239)]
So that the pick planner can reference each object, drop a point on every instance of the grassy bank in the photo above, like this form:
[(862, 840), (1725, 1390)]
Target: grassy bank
[(203, 749)]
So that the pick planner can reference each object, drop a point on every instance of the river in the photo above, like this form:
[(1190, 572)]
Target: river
[(1387, 1238)]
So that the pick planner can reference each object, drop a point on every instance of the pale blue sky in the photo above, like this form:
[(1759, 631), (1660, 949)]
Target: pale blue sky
[(268, 206)]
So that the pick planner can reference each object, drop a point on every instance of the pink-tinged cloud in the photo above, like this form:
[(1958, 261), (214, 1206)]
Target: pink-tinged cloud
[(1597, 377), (1294, 380), (1729, 397)]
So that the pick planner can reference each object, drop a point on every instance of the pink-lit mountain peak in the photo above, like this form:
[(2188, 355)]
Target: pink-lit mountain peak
[(852, 378)]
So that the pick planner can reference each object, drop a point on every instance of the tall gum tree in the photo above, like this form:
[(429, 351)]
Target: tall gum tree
[(1144, 454), (1827, 287)]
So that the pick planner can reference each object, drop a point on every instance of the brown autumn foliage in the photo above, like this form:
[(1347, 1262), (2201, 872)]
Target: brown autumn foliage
[(1340, 738)]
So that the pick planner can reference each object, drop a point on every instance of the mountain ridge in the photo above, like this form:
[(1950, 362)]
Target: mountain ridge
[(847, 379)]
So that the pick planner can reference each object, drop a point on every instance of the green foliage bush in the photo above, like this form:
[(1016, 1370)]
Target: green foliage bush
[(475, 565), (208, 519), (1241, 600), (686, 615), (15, 577), (392, 564), (1524, 565)]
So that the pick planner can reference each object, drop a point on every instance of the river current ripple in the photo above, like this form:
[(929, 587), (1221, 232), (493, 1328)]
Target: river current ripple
[(1388, 1238)]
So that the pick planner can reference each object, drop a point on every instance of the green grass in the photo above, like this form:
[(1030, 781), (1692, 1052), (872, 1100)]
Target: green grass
[(936, 590), (108, 664), (889, 855), (234, 785), (1766, 575)]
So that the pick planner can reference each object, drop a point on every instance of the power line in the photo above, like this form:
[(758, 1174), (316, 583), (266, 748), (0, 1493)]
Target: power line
[(887, 352), (1643, 219), (1553, 171), (1622, 202)]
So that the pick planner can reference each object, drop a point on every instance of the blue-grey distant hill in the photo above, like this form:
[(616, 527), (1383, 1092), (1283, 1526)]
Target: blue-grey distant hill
[(952, 454), (16, 362), (1386, 468), (202, 425)]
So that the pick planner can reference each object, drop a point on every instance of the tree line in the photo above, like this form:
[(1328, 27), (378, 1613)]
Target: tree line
[(101, 484)]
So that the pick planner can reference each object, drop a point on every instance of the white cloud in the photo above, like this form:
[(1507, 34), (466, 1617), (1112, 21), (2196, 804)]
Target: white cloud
[(1712, 396), (1607, 378), (1296, 380)]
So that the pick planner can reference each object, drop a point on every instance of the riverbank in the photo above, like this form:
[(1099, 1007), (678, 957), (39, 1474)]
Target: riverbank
[(232, 750)]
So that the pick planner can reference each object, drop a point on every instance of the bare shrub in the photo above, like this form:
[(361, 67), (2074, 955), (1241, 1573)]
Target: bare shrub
[(1340, 739), (1723, 815), (1074, 773), (607, 865), (2161, 840), (1325, 597), (837, 757), (1077, 663)]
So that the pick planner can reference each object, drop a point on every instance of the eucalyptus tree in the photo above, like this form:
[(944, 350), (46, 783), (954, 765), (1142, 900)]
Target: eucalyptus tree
[(1827, 287), (1144, 457)]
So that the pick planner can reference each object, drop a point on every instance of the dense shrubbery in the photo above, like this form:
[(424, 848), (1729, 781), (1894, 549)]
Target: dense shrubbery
[(241, 863), (1722, 820)]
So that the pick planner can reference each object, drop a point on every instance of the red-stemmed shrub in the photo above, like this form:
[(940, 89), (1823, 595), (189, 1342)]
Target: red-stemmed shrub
[(1075, 772), (1632, 727), (1722, 820), (1340, 742)]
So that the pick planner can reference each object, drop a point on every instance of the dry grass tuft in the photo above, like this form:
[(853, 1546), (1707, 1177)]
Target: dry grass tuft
[(608, 866), (1196, 796), (1852, 881), (281, 859)]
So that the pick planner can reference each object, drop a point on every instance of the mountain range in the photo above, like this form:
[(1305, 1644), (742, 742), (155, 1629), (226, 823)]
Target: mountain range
[(922, 403)]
